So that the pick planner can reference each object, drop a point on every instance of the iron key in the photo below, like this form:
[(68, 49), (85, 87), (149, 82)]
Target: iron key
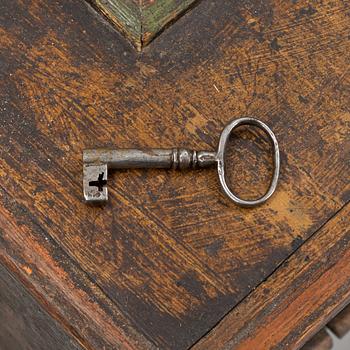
[(97, 163)]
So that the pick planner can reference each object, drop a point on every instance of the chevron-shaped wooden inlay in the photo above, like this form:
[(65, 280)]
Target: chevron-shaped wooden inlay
[(141, 20)]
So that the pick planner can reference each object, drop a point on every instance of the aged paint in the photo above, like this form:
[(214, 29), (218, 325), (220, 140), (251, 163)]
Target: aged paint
[(141, 20)]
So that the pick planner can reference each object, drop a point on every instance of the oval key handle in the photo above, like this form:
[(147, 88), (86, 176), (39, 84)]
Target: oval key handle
[(97, 163), (221, 161)]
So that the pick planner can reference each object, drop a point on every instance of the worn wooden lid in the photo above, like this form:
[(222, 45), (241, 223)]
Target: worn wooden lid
[(169, 256)]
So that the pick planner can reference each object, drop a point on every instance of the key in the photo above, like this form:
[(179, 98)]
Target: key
[(97, 163)]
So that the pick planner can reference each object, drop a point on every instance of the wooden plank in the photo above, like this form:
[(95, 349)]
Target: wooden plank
[(24, 324), (65, 292), (340, 325), (321, 341), (297, 300), (169, 256), (140, 21)]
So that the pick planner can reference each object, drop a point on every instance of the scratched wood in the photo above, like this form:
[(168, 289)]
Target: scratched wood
[(24, 323), (140, 21), (169, 255), (287, 309)]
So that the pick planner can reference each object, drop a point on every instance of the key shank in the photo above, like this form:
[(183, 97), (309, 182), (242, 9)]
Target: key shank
[(97, 162)]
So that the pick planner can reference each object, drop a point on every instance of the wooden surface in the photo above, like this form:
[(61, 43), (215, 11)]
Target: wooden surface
[(141, 20), (307, 291), (24, 324), (170, 256)]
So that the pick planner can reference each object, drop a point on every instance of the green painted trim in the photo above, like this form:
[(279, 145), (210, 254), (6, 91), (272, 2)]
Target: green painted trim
[(123, 14), (141, 20), (158, 15)]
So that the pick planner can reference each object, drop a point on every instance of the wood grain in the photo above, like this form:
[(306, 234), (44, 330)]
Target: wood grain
[(140, 21), (307, 291), (169, 256), (24, 323)]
